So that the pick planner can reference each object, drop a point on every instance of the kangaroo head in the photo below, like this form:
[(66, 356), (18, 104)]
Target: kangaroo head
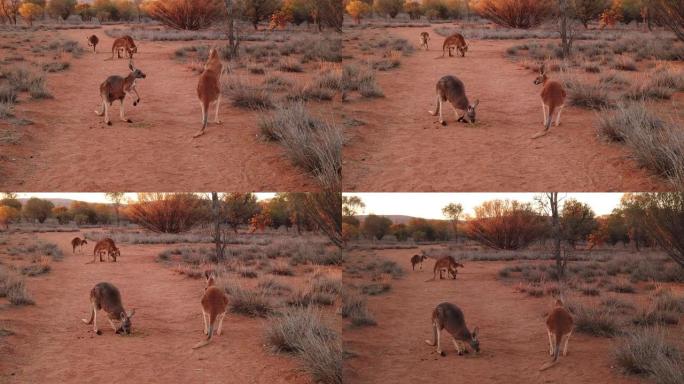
[(541, 79), (135, 72), (471, 111), (423, 258), (474, 341), (115, 253), (213, 54), (84, 241), (463, 50), (125, 327)]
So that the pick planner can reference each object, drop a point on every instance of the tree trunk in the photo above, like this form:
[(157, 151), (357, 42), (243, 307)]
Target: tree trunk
[(116, 212), (233, 43), (563, 5), (216, 216), (556, 233)]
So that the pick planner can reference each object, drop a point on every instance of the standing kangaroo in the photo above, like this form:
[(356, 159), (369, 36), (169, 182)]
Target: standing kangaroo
[(209, 88), (417, 259), (93, 41), (450, 88), (424, 39), (77, 242), (450, 317), (106, 296), (106, 245), (116, 88), (448, 263), (214, 304), (126, 44), (553, 97), (559, 326), (455, 41)]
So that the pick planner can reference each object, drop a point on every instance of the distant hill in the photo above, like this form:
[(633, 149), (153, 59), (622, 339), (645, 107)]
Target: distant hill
[(56, 202), (396, 219)]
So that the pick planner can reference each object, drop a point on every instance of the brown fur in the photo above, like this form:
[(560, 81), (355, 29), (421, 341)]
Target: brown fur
[(450, 317), (214, 305), (553, 97), (77, 242), (126, 44), (116, 88), (424, 39), (93, 41), (106, 296), (559, 325), (448, 263), (106, 245), (209, 88), (417, 259), (455, 41), (451, 89)]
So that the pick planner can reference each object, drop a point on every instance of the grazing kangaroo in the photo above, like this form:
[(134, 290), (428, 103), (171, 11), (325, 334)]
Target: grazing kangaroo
[(448, 263), (126, 44), (77, 242), (92, 42), (455, 41), (424, 39), (450, 88), (214, 304), (450, 317), (116, 88), (553, 97), (106, 296), (209, 88), (106, 245), (417, 259), (559, 325)]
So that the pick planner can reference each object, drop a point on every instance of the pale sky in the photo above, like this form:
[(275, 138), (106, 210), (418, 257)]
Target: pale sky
[(429, 205), (92, 197)]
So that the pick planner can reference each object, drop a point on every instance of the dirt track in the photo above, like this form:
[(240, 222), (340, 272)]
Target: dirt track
[(53, 345), (402, 148), (513, 338), (69, 148)]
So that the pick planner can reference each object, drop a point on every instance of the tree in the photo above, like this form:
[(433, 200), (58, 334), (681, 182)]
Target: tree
[(9, 9), (30, 12), (376, 226), (505, 224), (324, 209), (400, 231), (61, 8), (664, 219), (357, 9), (37, 209), (63, 215), (548, 202), (453, 211), (8, 214), (523, 14), (577, 221), (166, 212), (588, 10), (238, 208), (187, 14), (352, 205), (217, 233), (10, 199), (256, 11), (414, 10), (389, 8), (669, 13), (116, 198)]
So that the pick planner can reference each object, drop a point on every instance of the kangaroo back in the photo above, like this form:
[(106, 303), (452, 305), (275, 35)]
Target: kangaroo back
[(452, 89)]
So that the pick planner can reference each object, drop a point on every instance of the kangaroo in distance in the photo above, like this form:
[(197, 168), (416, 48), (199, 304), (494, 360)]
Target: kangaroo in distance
[(125, 44), (553, 97), (214, 304), (106, 245), (450, 317), (93, 41), (424, 39), (76, 242), (417, 259), (559, 326), (455, 41), (209, 88), (116, 88), (448, 263), (106, 296), (450, 88)]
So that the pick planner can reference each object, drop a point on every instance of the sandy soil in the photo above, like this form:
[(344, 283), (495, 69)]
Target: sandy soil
[(513, 337), (70, 148), (51, 343), (402, 148)]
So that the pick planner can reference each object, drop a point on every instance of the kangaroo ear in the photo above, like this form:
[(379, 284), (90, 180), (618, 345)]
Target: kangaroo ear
[(131, 313), (130, 65), (476, 331), (477, 102), (123, 316)]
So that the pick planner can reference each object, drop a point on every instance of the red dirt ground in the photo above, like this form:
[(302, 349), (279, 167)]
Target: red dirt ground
[(69, 148), (513, 339), (53, 345), (402, 148)]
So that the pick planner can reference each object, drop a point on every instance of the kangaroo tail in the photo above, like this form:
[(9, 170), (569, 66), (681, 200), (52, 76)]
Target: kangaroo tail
[(92, 315), (212, 320)]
